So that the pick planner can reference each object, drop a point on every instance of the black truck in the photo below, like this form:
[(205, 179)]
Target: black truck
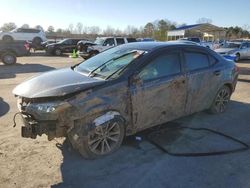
[(9, 51)]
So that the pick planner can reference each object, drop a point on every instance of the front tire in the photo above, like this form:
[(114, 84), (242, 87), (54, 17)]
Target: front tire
[(237, 58), (101, 140), (221, 100), (8, 58)]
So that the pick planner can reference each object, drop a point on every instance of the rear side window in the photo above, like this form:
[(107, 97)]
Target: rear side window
[(195, 40), (75, 41), (109, 42), (196, 60), (131, 40), (163, 65), (120, 41)]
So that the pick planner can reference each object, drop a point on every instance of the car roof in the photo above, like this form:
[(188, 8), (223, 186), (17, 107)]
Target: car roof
[(148, 46)]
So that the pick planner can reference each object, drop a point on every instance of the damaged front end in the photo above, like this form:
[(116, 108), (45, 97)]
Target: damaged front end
[(44, 117)]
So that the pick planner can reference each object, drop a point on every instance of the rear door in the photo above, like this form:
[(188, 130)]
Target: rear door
[(67, 45), (203, 79), (160, 94), (248, 50), (244, 50)]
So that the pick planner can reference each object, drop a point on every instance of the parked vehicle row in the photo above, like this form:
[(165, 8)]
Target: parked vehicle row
[(9, 51), (101, 44), (124, 90)]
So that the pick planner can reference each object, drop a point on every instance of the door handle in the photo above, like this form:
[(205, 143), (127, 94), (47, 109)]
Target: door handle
[(217, 72), (179, 81)]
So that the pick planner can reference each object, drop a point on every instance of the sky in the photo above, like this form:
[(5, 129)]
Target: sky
[(120, 13)]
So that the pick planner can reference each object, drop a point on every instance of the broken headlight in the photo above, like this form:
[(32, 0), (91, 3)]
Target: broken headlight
[(48, 107)]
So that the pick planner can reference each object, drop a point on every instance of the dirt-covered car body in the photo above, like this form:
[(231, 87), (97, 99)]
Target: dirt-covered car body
[(58, 102)]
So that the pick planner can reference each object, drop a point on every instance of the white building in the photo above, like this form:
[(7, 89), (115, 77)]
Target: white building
[(206, 32)]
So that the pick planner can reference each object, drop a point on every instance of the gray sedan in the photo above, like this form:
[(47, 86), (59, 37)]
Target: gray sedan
[(239, 50)]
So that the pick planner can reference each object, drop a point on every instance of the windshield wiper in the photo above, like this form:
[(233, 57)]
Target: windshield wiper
[(113, 59), (122, 68)]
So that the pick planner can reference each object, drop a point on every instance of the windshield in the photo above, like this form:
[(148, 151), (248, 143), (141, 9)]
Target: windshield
[(99, 41), (108, 63), (232, 45)]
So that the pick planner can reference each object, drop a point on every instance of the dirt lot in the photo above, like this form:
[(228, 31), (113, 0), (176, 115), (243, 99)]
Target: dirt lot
[(40, 163)]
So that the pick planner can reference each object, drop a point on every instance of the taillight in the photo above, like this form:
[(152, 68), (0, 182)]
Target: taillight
[(236, 68), (27, 46)]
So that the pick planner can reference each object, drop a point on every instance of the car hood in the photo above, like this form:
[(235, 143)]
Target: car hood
[(224, 50), (57, 83)]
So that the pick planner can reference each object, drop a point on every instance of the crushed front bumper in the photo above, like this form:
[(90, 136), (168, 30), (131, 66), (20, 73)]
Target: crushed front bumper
[(33, 128)]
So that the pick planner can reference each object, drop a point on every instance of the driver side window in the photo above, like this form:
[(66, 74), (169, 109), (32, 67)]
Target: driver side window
[(162, 66)]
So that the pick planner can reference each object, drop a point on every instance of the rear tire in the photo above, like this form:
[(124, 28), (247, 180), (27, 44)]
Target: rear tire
[(58, 52), (221, 100), (7, 38), (8, 58)]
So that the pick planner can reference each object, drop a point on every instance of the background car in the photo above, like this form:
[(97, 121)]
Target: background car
[(9, 51), (124, 90), (63, 46), (36, 36), (239, 50), (101, 44)]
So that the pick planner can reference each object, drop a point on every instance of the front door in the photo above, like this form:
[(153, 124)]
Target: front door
[(159, 93)]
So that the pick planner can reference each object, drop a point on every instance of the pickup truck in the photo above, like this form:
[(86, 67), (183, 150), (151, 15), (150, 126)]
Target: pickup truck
[(9, 51), (100, 44)]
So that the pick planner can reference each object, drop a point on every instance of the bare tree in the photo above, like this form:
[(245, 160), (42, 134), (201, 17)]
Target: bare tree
[(109, 31), (79, 27), (118, 32), (25, 26), (8, 26), (71, 28), (85, 30), (94, 30), (204, 20)]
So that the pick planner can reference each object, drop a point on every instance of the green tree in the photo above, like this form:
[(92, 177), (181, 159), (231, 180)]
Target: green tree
[(25, 26), (163, 27), (149, 30), (50, 29)]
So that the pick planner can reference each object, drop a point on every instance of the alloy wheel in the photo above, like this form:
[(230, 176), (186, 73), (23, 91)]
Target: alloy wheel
[(222, 99), (9, 59), (105, 138)]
